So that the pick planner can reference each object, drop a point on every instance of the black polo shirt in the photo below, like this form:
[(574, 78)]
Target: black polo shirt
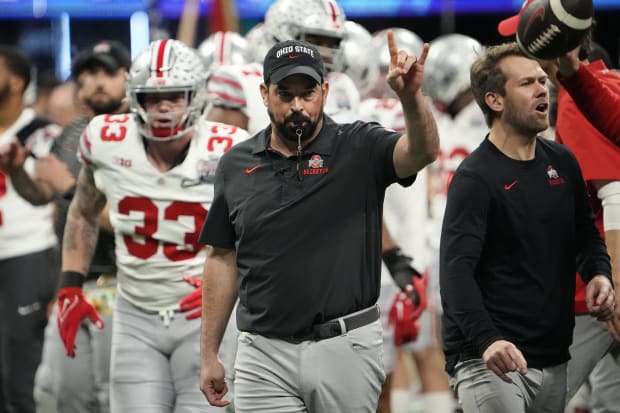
[(307, 231)]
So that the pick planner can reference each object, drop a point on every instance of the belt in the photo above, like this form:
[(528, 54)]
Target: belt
[(335, 327)]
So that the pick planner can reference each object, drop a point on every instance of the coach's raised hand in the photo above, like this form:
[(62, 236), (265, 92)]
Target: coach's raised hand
[(406, 71)]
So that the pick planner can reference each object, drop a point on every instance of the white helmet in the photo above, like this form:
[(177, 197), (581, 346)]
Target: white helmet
[(447, 66), (224, 48), (405, 40), (167, 66), (296, 19), (259, 43), (360, 65)]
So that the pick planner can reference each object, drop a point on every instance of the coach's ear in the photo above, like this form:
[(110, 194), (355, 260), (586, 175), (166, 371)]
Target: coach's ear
[(264, 92), (494, 101)]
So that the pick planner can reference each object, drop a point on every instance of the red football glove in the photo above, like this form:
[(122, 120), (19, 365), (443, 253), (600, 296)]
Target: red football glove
[(72, 310), (193, 300), (406, 311)]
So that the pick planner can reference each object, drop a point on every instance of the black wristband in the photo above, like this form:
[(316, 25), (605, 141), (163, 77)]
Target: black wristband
[(399, 266), (71, 279)]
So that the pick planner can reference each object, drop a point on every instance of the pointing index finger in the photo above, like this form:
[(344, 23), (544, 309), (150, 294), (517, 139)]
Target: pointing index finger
[(392, 47)]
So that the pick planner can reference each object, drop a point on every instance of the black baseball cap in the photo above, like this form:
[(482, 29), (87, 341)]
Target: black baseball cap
[(293, 57), (110, 54)]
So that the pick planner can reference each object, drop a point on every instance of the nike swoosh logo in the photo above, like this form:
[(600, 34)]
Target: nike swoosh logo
[(252, 170), (24, 310), (293, 56), (509, 186), (538, 13)]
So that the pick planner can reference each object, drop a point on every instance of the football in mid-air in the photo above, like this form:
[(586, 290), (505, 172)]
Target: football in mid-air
[(549, 28)]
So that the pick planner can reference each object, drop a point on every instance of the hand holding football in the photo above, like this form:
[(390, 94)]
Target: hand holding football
[(548, 29)]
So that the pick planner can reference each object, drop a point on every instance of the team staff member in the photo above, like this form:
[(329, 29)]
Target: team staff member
[(507, 260), (296, 223), (593, 93)]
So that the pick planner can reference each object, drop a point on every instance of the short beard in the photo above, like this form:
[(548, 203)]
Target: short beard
[(108, 106), (290, 133)]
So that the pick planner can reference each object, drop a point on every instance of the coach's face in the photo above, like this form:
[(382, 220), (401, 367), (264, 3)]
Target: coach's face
[(526, 103), (295, 104)]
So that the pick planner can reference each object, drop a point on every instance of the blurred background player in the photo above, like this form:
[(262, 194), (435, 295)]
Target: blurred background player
[(81, 383), (233, 84), (155, 169), (28, 243), (405, 216)]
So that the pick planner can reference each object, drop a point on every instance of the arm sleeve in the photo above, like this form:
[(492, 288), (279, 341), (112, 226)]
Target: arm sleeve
[(592, 257), (218, 230), (462, 239), (595, 100)]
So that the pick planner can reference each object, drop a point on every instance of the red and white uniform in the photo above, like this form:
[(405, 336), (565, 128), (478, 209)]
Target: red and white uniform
[(343, 99), (25, 228), (238, 87), (157, 216), (458, 137)]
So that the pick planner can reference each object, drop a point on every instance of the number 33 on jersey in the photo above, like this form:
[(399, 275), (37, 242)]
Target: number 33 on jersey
[(157, 216)]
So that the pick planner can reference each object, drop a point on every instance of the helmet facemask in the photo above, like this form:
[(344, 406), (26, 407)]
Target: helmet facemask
[(170, 74)]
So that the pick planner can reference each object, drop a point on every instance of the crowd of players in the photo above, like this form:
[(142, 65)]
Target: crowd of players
[(156, 207)]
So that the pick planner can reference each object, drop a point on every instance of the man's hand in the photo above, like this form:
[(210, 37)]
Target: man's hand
[(13, 156), (600, 298), (568, 64), (72, 310), (502, 357), (212, 382), (193, 300), (51, 169), (406, 72)]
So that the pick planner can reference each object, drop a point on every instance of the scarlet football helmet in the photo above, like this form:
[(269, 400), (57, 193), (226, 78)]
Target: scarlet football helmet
[(167, 66)]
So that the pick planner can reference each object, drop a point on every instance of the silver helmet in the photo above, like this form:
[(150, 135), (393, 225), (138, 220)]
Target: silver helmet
[(224, 48), (259, 43), (167, 66), (360, 65), (302, 19), (447, 66)]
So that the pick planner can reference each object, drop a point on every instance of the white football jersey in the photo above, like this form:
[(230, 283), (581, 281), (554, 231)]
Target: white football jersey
[(24, 228), (157, 216), (343, 99), (458, 137), (404, 209), (238, 87)]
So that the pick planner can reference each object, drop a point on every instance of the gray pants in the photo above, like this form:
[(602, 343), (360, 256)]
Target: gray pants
[(155, 366), (595, 355), (343, 374), (481, 390)]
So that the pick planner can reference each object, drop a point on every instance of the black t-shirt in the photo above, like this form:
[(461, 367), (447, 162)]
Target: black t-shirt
[(307, 232), (514, 234), (65, 148)]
